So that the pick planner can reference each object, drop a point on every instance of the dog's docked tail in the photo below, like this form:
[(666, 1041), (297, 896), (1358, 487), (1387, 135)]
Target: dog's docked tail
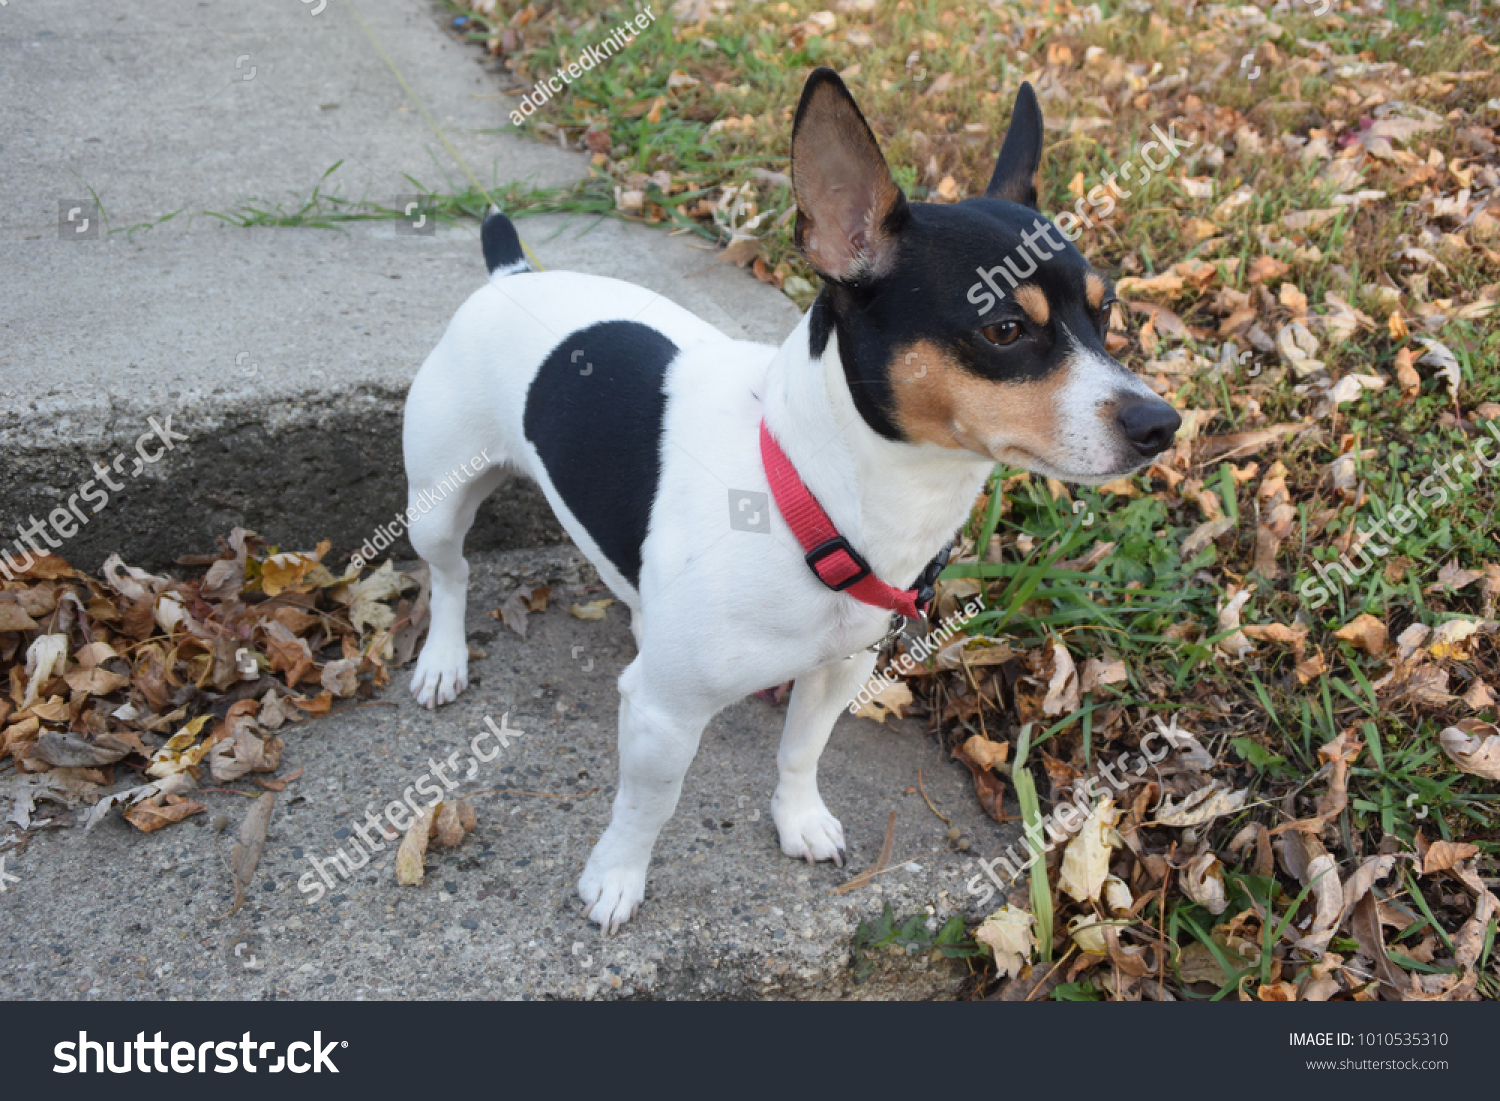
[(503, 254)]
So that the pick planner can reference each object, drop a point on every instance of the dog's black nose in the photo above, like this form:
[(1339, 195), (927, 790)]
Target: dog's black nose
[(1149, 424)]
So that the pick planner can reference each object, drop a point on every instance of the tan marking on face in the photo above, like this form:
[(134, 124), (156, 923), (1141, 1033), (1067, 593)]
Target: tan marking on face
[(1034, 302), (1095, 287), (945, 405)]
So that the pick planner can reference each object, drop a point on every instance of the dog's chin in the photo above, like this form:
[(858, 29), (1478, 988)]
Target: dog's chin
[(1065, 473)]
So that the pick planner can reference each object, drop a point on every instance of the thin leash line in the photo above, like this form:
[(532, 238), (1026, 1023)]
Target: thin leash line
[(436, 129)]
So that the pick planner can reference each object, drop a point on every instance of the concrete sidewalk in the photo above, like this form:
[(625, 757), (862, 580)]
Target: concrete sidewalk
[(119, 914), (284, 353)]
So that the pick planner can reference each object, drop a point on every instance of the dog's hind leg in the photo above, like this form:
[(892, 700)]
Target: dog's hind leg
[(659, 733), (807, 829), (438, 535)]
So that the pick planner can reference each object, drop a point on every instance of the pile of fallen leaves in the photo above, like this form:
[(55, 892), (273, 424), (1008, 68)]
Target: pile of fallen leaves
[(131, 691)]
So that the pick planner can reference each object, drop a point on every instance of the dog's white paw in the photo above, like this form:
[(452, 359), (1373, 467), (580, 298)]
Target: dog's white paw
[(442, 673), (808, 832), (612, 893)]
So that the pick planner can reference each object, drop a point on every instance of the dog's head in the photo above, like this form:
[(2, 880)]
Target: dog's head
[(976, 325)]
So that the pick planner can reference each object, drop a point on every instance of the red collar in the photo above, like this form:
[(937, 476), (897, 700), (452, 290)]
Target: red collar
[(828, 554)]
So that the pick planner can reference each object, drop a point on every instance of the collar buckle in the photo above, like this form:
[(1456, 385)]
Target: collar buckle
[(826, 550), (926, 585)]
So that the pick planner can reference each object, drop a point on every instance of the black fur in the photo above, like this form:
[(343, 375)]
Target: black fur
[(595, 414), (926, 298), (1021, 154), (502, 245)]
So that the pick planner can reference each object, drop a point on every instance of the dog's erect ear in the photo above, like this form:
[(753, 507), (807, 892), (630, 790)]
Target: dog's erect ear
[(1021, 155), (849, 209)]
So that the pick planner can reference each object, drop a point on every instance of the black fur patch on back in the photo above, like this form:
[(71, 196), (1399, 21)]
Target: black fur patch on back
[(595, 414)]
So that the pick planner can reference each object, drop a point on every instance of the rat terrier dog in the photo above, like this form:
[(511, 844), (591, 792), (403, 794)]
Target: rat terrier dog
[(873, 429)]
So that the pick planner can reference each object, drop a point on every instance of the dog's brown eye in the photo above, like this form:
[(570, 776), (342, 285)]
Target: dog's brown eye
[(1107, 314), (1002, 334)]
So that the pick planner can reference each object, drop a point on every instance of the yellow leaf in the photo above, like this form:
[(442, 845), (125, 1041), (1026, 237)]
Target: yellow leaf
[(282, 571), (179, 754), (592, 610)]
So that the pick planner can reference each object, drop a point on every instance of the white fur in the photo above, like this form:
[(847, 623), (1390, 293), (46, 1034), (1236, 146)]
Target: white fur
[(720, 612)]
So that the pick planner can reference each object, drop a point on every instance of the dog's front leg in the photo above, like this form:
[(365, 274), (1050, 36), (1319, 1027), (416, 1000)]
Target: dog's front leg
[(659, 733), (807, 829)]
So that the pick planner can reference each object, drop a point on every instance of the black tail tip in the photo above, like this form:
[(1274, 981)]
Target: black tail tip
[(502, 245)]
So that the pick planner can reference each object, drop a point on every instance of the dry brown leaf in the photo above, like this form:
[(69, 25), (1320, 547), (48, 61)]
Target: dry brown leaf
[(1204, 805), (1442, 855), (1085, 864), (1203, 880), (1469, 942), (1309, 219), (341, 677), (1370, 872), (1008, 934), (1293, 299), (1366, 633), (1063, 696), (455, 818), (888, 699), (1479, 696), (1406, 375), (1238, 445), (988, 788), (513, 613), (413, 850), (1204, 534), (14, 618), (1168, 284), (1295, 637), (1474, 747), (1233, 645), (1455, 577), (987, 754), (280, 783), (1364, 923), (1097, 673), (1307, 861), (245, 857), (152, 814), (1265, 268)]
